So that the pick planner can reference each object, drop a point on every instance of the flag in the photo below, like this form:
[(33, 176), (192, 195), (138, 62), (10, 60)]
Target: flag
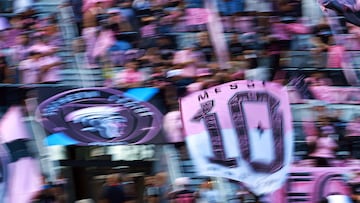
[(23, 174), (101, 116), (350, 11), (240, 130)]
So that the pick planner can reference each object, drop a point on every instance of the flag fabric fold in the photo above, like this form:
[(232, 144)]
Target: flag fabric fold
[(23, 177)]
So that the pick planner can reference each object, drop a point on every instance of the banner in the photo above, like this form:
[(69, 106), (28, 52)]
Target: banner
[(21, 174), (315, 183), (240, 130), (100, 116)]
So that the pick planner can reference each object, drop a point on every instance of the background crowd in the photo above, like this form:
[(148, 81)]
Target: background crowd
[(168, 44)]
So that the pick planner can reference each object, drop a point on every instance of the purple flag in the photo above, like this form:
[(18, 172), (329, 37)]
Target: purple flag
[(101, 116), (350, 10)]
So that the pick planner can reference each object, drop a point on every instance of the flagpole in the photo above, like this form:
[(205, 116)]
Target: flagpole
[(46, 164), (217, 36)]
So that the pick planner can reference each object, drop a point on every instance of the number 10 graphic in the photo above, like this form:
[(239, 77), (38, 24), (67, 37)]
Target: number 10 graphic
[(241, 126)]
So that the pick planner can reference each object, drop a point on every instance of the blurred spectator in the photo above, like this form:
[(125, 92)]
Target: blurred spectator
[(186, 60), (130, 76), (151, 58), (91, 20), (46, 194), (335, 54), (113, 191), (171, 14), (354, 183), (129, 187), (76, 6), (142, 7), (7, 74), (235, 47), (21, 48), (105, 39), (173, 127), (174, 90), (29, 68), (78, 45), (321, 36), (230, 7), (181, 192), (126, 9), (41, 45), (204, 46), (117, 22), (10, 35), (250, 43), (222, 77), (353, 42), (151, 192), (167, 44), (324, 149), (120, 44), (148, 32), (327, 127), (207, 193), (158, 76), (318, 79), (353, 126), (202, 76), (50, 68), (52, 35), (60, 185), (288, 8), (161, 182), (353, 135)]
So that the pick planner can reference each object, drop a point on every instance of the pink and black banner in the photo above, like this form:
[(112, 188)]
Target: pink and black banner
[(240, 130)]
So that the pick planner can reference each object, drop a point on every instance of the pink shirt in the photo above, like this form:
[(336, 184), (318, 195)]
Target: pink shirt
[(53, 74), (186, 57), (335, 56), (280, 31), (325, 148), (353, 129), (173, 127), (129, 76), (148, 30), (29, 69)]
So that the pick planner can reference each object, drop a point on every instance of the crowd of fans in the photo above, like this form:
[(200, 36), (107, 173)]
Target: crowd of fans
[(168, 44)]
